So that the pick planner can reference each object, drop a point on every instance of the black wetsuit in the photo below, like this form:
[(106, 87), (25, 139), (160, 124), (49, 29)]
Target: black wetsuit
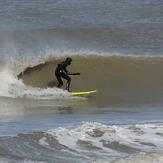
[(61, 72)]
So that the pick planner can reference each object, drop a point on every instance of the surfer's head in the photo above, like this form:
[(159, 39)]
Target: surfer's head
[(68, 60)]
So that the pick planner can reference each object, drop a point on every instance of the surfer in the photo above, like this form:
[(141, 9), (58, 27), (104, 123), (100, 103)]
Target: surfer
[(61, 72)]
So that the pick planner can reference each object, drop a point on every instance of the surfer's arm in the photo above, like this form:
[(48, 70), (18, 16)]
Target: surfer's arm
[(65, 70), (69, 73), (77, 73)]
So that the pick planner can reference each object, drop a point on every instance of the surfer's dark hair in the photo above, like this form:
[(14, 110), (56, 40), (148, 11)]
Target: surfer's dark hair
[(68, 59)]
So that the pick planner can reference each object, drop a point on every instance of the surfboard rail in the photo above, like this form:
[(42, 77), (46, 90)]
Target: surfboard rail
[(84, 93)]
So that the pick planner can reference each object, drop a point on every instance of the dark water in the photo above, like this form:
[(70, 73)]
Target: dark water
[(58, 27), (71, 13), (117, 47)]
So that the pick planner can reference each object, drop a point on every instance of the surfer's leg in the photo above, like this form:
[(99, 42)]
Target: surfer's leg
[(60, 82), (68, 84), (65, 76)]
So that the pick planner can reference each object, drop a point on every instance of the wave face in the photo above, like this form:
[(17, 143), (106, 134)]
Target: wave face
[(88, 142), (120, 80)]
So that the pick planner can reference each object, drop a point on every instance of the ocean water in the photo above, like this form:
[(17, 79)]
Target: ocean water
[(117, 46)]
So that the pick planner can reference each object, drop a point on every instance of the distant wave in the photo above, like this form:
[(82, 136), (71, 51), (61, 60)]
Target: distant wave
[(106, 41)]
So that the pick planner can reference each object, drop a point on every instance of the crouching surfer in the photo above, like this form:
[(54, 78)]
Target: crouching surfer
[(61, 72)]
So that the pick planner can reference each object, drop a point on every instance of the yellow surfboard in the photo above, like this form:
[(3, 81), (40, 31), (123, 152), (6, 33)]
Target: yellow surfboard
[(84, 93)]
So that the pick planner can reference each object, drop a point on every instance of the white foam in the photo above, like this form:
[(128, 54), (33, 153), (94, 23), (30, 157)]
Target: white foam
[(43, 142), (138, 138), (10, 86)]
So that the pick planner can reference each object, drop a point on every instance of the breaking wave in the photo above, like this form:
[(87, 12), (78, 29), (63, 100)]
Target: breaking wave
[(88, 142), (11, 87), (119, 79)]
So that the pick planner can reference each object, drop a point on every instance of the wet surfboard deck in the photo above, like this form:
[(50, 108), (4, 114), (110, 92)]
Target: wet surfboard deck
[(84, 93)]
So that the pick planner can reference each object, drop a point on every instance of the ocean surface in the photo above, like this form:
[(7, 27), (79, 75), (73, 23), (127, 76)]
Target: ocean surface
[(117, 46)]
